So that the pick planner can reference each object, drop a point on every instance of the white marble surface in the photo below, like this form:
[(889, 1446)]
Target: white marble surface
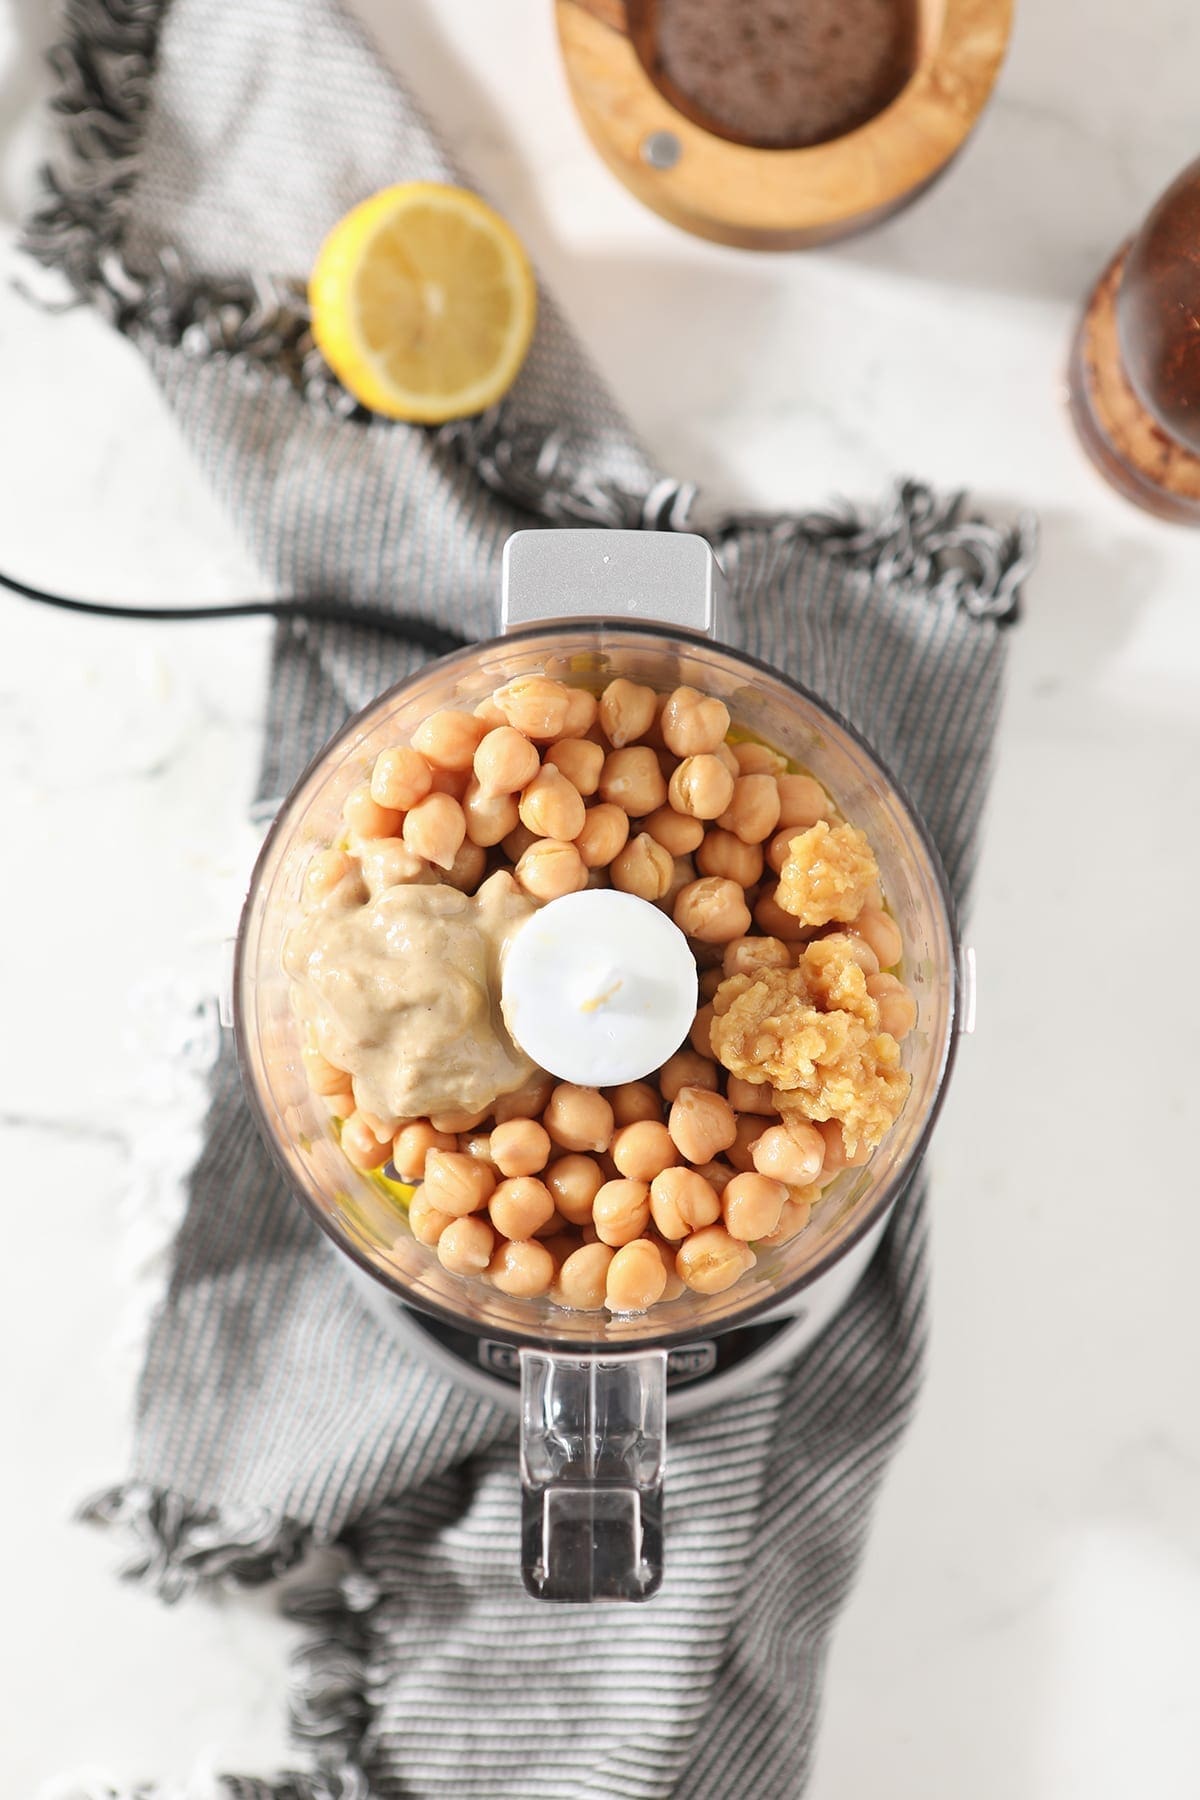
[(1028, 1620)]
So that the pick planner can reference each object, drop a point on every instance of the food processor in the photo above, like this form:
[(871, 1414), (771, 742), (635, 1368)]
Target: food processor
[(593, 1392)]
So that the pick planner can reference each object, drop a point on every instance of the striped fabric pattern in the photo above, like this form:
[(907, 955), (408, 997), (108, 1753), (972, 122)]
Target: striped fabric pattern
[(273, 1411)]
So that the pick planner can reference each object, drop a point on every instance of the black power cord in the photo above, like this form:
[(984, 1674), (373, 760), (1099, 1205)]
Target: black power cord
[(437, 639)]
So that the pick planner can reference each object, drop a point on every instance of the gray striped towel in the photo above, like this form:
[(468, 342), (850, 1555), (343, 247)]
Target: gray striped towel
[(204, 150)]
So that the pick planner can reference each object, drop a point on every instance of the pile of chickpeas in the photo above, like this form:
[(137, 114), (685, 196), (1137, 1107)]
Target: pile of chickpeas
[(620, 1198)]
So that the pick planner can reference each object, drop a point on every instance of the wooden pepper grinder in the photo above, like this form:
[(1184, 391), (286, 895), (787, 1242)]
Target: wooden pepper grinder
[(1135, 364)]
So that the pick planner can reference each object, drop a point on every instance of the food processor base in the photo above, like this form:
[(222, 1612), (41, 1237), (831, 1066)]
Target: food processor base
[(700, 1373)]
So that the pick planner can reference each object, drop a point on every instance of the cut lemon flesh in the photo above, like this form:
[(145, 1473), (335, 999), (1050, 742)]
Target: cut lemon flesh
[(423, 303)]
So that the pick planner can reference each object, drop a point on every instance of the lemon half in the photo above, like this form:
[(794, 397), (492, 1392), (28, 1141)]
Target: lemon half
[(423, 303)]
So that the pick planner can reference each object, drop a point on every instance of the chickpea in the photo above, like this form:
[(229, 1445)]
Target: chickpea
[(339, 1105), (636, 1278), (574, 1181), (792, 1220), (604, 835), (758, 759), (675, 831), (524, 1102), (725, 856), (802, 801), (479, 1145), (683, 872), (750, 1127), (451, 781), (561, 1244), (400, 778), (881, 931), (324, 872), (519, 1207), (520, 1147), (361, 1148), (466, 871), (710, 981), (458, 1120), (449, 740), (632, 780), (673, 1286), (856, 948), (324, 1077), (582, 708), (505, 762), (746, 955), (457, 1184), (683, 1200), (535, 705), (643, 868), (687, 1069), (780, 847), (516, 842), (627, 711), (753, 1206), (837, 1157), (465, 1246), (366, 818), (694, 724), (727, 760), (711, 1260), (425, 1221), (753, 813), (897, 1005), (489, 817), (580, 761), (771, 918), (523, 1269), (551, 806), (717, 1174), (700, 1036), (579, 1118), (792, 1153), (701, 1123), (634, 1101), (435, 829), (580, 1283), (621, 1211), (551, 868), (383, 1130), (712, 909), (701, 787), (642, 1150), (751, 1097), (412, 1145), (388, 862), (490, 713)]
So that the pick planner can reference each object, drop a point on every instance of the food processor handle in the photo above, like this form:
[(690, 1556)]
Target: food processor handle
[(593, 1440), (667, 577)]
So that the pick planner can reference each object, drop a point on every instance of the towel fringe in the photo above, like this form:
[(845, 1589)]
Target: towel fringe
[(919, 537), (179, 1547), (333, 1680), (343, 1782)]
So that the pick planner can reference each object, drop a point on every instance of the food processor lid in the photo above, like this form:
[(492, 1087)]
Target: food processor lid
[(670, 577)]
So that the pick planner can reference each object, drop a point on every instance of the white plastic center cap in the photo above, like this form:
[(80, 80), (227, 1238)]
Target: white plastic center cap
[(599, 988)]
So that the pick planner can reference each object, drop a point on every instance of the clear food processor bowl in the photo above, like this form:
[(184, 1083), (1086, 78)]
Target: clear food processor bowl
[(591, 1381)]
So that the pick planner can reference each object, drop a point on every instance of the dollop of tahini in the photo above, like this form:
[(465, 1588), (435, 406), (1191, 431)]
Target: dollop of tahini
[(403, 990)]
